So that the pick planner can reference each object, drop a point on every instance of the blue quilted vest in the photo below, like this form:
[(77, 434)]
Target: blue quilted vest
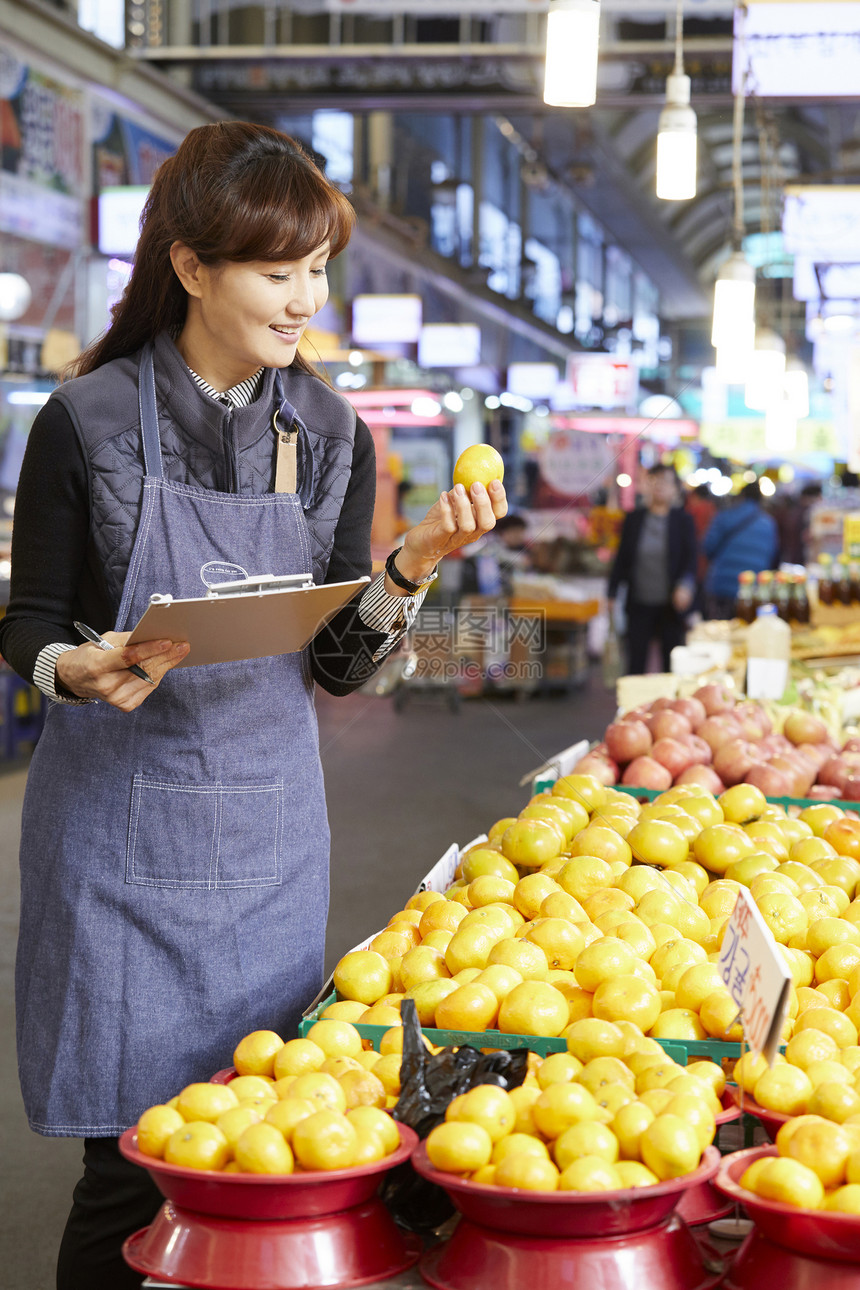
[(204, 444)]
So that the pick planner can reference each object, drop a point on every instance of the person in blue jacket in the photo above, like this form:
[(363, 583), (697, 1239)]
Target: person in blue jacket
[(656, 562), (743, 537)]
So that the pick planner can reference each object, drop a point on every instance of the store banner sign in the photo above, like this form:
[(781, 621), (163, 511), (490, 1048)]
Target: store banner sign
[(743, 438), (602, 381), (573, 461), (42, 165)]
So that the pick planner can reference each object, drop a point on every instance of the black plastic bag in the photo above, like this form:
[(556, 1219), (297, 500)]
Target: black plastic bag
[(428, 1083)]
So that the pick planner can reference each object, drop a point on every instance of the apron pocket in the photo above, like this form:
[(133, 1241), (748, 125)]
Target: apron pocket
[(204, 836)]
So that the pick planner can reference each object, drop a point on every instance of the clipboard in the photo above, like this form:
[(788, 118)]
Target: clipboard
[(257, 617)]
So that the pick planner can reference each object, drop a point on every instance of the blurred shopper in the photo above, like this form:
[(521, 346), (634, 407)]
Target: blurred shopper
[(656, 565), (743, 537), (490, 568), (701, 505), (175, 846)]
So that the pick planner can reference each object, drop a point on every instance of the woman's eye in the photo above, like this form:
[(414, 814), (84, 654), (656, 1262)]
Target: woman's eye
[(278, 277), (320, 273)]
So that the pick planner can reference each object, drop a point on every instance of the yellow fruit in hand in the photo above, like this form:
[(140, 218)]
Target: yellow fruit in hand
[(325, 1140), (478, 464), (198, 1145), (459, 1147), (669, 1146), (255, 1054), (205, 1101), (154, 1128)]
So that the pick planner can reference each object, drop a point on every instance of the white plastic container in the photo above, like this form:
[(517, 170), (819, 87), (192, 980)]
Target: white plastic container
[(768, 655)]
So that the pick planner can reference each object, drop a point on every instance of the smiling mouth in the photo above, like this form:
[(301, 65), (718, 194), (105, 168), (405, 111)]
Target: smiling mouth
[(287, 331)]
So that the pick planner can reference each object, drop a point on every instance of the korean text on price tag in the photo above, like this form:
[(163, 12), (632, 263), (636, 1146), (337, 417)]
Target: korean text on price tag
[(756, 976)]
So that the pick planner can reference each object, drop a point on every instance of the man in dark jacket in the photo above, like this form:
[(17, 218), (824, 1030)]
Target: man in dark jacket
[(743, 537), (656, 562)]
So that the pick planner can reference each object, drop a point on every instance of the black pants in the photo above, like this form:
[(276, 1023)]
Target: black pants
[(113, 1199), (649, 622)]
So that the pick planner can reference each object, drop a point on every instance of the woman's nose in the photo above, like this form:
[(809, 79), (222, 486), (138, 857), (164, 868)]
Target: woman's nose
[(301, 297)]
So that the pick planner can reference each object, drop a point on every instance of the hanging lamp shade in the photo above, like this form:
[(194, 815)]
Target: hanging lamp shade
[(766, 373), (795, 384), (572, 32), (734, 303), (676, 142)]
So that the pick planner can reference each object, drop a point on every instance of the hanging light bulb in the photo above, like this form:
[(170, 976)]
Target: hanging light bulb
[(676, 130), (780, 426), (766, 372), (572, 31), (795, 384), (732, 361), (734, 304)]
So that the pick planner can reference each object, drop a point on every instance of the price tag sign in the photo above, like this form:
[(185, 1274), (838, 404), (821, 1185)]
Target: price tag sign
[(756, 976), (554, 768), (441, 875)]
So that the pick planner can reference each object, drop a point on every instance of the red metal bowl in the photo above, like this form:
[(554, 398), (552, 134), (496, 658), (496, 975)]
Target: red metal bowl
[(771, 1121), (264, 1196), (815, 1233), (565, 1213)]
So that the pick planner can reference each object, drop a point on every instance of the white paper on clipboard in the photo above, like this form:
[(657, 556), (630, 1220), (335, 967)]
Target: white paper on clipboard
[(273, 616)]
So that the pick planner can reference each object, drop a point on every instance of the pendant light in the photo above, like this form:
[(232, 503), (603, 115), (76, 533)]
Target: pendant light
[(796, 388), (734, 289), (572, 31), (676, 130), (766, 373)]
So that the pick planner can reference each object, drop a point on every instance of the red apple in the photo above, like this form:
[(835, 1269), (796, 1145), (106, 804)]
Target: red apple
[(770, 781), (753, 721), (773, 744), (692, 709), (672, 754), (645, 772), (602, 768), (824, 792), (661, 704), (799, 776), (717, 731), (732, 760), (667, 724), (805, 728), (851, 788), (815, 755), (715, 698), (705, 776), (701, 752), (626, 740), (852, 744)]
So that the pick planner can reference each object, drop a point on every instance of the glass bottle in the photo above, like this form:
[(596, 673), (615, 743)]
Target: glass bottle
[(745, 605), (842, 581), (782, 596), (799, 599), (825, 578), (764, 588)]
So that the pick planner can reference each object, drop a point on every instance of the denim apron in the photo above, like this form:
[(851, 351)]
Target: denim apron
[(174, 860)]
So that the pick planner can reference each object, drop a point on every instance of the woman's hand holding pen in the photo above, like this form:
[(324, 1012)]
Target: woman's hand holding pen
[(456, 519), (93, 673)]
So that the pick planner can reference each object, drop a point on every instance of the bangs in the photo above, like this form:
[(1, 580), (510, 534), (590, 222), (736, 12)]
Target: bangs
[(284, 215)]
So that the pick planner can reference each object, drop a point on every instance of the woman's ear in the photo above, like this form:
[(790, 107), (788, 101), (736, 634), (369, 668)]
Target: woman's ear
[(187, 268)]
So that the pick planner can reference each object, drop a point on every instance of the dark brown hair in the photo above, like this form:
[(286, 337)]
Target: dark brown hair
[(233, 191)]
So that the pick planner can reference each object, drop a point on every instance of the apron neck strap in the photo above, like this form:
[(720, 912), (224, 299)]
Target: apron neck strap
[(149, 414)]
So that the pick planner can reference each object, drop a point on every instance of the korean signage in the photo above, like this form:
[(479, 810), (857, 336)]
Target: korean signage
[(756, 976), (602, 381), (573, 461), (42, 164)]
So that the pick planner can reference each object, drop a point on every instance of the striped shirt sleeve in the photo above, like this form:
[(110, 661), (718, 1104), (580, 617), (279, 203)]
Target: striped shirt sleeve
[(45, 674), (386, 613)]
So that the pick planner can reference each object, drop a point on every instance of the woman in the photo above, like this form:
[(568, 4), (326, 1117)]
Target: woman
[(174, 849), (656, 562)]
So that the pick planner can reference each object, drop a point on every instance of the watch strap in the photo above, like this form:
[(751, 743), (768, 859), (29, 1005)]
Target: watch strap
[(406, 584)]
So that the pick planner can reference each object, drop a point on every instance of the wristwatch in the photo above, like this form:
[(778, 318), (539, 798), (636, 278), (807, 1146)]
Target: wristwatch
[(406, 584)]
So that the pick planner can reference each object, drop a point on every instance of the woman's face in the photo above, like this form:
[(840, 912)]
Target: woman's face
[(243, 316)]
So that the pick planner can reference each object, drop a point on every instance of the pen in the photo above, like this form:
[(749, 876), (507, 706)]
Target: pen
[(103, 644)]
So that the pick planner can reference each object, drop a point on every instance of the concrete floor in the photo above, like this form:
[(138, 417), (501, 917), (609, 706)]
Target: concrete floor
[(402, 787)]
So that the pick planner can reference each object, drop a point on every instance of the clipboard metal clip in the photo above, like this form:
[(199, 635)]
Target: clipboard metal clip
[(261, 584)]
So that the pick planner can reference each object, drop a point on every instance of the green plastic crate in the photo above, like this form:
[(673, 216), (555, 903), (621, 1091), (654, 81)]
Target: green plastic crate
[(678, 1049)]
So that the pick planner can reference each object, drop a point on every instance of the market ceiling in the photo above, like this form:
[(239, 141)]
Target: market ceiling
[(392, 59)]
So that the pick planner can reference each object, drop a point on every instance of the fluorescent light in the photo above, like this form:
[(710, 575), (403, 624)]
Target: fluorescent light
[(676, 142), (795, 384), (572, 33), (29, 398), (734, 303), (766, 372)]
